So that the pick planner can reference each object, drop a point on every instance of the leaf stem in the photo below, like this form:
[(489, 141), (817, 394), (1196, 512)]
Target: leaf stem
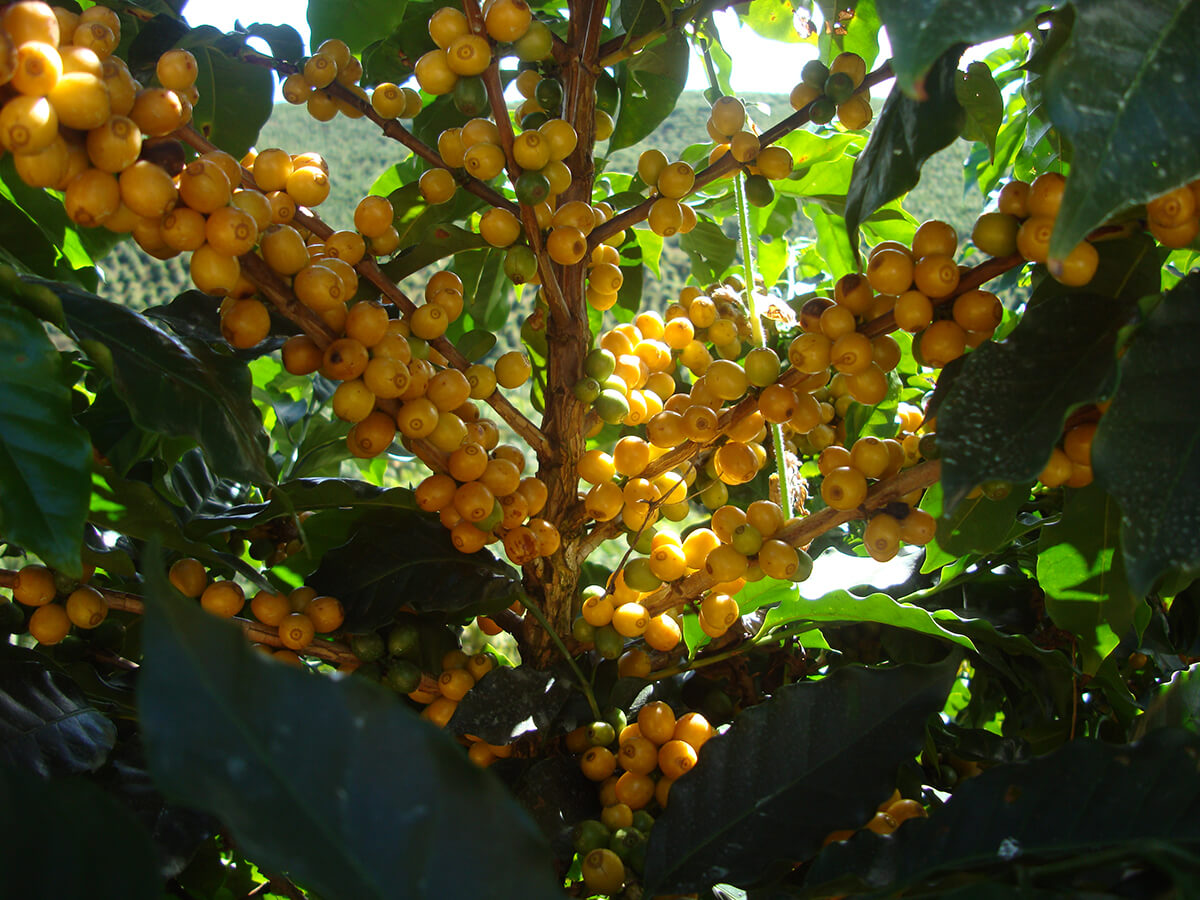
[(584, 686)]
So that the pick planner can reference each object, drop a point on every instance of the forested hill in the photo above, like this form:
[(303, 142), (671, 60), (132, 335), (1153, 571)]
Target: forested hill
[(357, 153)]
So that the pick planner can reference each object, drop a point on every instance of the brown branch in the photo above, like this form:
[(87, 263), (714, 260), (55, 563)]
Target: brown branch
[(803, 532), (726, 164), (274, 289), (330, 651)]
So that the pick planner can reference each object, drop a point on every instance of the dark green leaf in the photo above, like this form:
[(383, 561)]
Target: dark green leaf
[(829, 748), (284, 40), (393, 58), (235, 100), (176, 388), (509, 703), (1145, 453), (357, 24), (906, 134), (1083, 575), (110, 853), (1006, 409), (373, 803), (774, 19), (476, 344), (650, 85), (35, 234), (1123, 799), (638, 16), (377, 571), (1176, 704), (46, 724), (709, 249), (922, 30), (44, 454), (981, 525), (1124, 98), (557, 796), (442, 240), (979, 96)]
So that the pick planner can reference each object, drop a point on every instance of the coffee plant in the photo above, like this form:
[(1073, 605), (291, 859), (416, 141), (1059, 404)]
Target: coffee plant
[(439, 553)]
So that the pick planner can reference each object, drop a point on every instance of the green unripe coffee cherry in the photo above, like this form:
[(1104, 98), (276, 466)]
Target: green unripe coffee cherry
[(367, 647), (494, 518), (822, 111), (839, 87), (609, 644), (747, 540), (608, 94), (804, 566), (535, 44), (520, 264), (643, 541), (611, 406), (470, 96), (583, 630), (762, 366), (586, 390), (599, 363), (639, 577), (403, 639), (403, 676), (759, 191), (534, 120), (590, 835), (532, 188), (601, 733), (815, 73), (549, 94)]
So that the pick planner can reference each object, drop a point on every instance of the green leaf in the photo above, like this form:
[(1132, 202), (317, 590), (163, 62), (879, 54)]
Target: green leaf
[(709, 249), (979, 96), (111, 855), (476, 344), (374, 574), (1127, 800), (508, 703), (774, 19), (1125, 99), (284, 40), (833, 241), (1007, 407), (906, 134), (650, 84), (47, 725), (842, 606), (920, 31), (375, 802), (440, 241), (829, 748), (235, 102), (639, 16), (176, 388), (357, 24), (981, 525), (1083, 575), (859, 34), (1145, 453), (1176, 703), (44, 454), (35, 234)]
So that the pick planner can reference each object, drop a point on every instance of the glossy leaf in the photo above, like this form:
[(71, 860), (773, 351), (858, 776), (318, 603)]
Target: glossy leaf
[(509, 703), (358, 24), (1083, 575), (374, 573), (110, 853), (906, 134), (47, 726), (1124, 800), (922, 31), (650, 85), (1145, 450), (843, 607), (44, 454), (1124, 98), (733, 817), (1007, 407), (979, 96), (174, 387), (235, 100), (35, 234), (332, 808)]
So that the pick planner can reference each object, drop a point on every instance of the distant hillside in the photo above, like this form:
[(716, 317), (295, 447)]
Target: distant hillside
[(357, 153)]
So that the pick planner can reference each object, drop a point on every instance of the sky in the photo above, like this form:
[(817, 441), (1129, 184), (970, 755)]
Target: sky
[(775, 67)]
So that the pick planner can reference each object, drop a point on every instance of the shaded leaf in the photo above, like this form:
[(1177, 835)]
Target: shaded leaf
[(920, 31), (981, 525), (1176, 704), (476, 344), (557, 795), (284, 40), (46, 724), (176, 388), (1083, 575), (1146, 452), (509, 703), (979, 96), (44, 454), (734, 816), (650, 85), (376, 572), (110, 853), (709, 249), (1122, 797), (1006, 410), (638, 16), (333, 808), (440, 241), (906, 134), (194, 314), (1125, 99)]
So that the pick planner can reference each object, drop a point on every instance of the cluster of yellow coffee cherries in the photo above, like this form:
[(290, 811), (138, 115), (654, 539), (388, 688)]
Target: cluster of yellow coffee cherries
[(651, 754), (299, 615), (829, 91), (1174, 217), (51, 621), (1070, 462)]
